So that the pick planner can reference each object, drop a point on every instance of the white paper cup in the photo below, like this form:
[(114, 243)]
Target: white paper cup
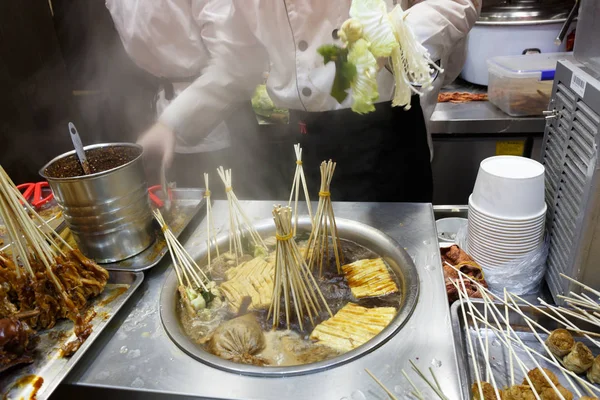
[(506, 230), (476, 212), (510, 187), (501, 234)]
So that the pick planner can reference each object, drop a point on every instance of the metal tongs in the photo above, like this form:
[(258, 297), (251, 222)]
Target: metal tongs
[(166, 187)]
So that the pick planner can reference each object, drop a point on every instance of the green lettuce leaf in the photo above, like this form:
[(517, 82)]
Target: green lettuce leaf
[(345, 71)]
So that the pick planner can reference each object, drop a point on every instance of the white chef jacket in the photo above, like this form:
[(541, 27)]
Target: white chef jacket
[(172, 39), (285, 35), (282, 37)]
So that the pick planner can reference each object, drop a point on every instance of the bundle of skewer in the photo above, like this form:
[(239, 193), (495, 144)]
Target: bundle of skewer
[(211, 237), (44, 278), (538, 383), (324, 226), (293, 279), (62, 280), (239, 223), (416, 392), (299, 180), (195, 287)]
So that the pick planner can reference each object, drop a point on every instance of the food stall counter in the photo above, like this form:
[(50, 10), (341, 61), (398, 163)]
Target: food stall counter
[(136, 358)]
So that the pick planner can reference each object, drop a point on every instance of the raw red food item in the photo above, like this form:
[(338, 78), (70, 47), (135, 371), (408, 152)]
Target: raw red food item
[(460, 260), (461, 97)]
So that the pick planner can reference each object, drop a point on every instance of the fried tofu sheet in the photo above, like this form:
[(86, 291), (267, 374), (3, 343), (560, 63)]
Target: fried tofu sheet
[(352, 326), (252, 279), (369, 278)]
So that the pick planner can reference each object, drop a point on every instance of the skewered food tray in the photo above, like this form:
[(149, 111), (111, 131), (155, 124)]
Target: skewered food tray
[(499, 354), (39, 379)]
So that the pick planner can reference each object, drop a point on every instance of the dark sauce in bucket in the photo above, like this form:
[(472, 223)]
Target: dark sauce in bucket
[(99, 159)]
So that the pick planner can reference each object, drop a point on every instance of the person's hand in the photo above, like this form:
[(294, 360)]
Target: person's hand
[(159, 141)]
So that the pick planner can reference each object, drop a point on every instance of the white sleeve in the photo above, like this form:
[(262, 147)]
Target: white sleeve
[(237, 63), (440, 25), (161, 37)]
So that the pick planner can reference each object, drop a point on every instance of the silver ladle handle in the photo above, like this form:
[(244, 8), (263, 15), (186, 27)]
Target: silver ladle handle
[(79, 148)]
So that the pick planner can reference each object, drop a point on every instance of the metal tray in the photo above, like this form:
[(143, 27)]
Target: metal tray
[(498, 354), (186, 205), (40, 379)]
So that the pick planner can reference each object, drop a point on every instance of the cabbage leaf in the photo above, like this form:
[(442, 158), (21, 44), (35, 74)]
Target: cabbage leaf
[(345, 71), (364, 86), (377, 28)]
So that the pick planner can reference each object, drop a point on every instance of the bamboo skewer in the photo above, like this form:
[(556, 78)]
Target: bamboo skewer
[(28, 240), (317, 249), (470, 344), (293, 279), (417, 393), (489, 303), (387, 391), (510, 357), (543, 343), (485, 294), (211, 236), (436, 388), (189, 274), (463, 294), (567, 325), (503, 339), (238, 220), (589, 289), (299, 180)]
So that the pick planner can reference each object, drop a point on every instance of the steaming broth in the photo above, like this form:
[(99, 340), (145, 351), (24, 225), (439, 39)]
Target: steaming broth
[(283, 347)]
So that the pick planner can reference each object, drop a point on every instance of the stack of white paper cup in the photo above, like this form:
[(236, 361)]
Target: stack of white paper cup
[(507, 210)]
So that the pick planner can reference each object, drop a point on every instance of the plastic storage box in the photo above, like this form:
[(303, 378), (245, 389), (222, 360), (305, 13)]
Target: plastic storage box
[(521, 85)]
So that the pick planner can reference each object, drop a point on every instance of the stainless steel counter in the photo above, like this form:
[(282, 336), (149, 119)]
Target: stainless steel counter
[(135, 359), (479, 117)]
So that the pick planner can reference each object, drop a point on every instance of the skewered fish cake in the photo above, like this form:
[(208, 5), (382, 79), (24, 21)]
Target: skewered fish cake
[(488, 391), (588, 398), (369, 278), (550, 394), (580, 359), (539, 381), (352, 326), (560, 342), (519, 392), (593, 374), (252, 279)]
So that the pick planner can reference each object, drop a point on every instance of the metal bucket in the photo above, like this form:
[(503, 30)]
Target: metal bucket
[(108, 212)]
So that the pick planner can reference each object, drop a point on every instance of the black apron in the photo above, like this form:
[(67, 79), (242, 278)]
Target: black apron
[(382, 156)]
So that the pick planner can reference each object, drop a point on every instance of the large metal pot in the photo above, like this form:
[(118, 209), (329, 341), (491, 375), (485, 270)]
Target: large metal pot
[(371, 238), (108, 212)]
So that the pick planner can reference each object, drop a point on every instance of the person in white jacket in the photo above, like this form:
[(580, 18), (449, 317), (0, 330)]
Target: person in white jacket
[(172, 40), (382, 156)]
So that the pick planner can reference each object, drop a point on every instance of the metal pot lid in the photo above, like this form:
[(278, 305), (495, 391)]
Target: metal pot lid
[(512, 12)]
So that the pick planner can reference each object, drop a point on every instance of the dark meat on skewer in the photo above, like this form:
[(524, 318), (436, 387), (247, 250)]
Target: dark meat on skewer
[(16, 343)]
